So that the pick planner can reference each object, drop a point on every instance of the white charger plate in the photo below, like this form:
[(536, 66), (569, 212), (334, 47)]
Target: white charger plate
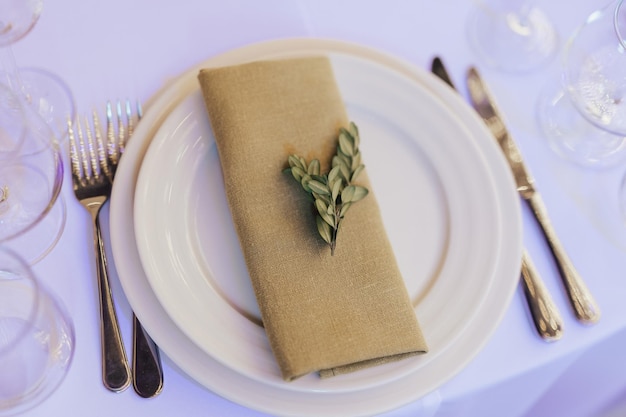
[(465, 229)]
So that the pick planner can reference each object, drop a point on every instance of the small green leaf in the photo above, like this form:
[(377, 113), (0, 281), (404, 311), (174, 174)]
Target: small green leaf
[(321, 206), (336, 189), (295, 161), (344, 172), (353, 193), (318, 187), (360, 193), (344, 209), (329, 218), (356, 172), (306, 179), (324, 197), (356, 161), (354, 131), (314, 167), (333, 175), (324, 230), (320, 178), (347, 160), (347, 194), (297, 173), (346, 143)]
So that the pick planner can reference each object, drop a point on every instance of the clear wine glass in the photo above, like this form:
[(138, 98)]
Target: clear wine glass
[(511, 35), (37, 337), (45, 93), (32, 215), (584, 116)]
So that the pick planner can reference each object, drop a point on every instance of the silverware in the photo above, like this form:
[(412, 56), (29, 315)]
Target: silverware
[(583, 303), (92, 176), (440, 71), (94, 163), (545, 315), (147, 369), (543, 311)]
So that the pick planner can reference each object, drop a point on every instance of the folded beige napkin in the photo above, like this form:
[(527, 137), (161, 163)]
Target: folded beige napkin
[(331, 314)]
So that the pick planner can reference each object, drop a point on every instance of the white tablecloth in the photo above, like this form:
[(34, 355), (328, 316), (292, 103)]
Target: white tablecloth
[(118, 49)]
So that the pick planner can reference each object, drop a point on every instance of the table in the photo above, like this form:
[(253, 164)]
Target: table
[(118, 49)]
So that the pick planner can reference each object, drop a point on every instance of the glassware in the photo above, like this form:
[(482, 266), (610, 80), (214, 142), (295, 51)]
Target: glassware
[(511, 35), (12, 124), (37, 337), (32, 216), (45, 93), (584, 117)]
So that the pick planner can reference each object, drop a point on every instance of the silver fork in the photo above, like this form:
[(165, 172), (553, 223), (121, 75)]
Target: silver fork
[(94, 163), (92, 178)]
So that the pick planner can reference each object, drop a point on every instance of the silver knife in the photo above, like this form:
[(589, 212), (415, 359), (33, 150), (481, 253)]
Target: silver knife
[(440, 71), (147, 367), (583, 303), (544, 313)]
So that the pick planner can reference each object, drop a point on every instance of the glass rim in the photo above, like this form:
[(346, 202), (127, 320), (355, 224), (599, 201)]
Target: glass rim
[(616, 25)]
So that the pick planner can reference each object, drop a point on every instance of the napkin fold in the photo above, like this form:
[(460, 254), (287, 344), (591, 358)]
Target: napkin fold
[(322, 313)]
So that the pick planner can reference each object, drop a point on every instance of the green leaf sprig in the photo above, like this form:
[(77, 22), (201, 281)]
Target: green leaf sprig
[(333, 193)]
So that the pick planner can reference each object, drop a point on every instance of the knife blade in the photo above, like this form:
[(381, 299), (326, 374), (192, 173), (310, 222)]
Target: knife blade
[(440, 71), (545, 315), (583, 303)]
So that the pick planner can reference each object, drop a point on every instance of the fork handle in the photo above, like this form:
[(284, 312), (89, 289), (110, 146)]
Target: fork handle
[(115, 369)]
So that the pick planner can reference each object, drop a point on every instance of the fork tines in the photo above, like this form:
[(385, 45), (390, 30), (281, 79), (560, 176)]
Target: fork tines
[(92, 156), (116, 142)]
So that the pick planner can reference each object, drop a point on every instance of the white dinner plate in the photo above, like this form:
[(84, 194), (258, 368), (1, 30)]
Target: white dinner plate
[(453, 235), (436, 195)]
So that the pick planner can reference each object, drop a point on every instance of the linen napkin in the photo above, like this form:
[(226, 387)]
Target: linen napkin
[(330, 314)]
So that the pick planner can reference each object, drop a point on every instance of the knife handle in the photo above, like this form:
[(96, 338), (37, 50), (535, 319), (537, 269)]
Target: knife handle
[(542, 309), (147, 368), (585, 307)]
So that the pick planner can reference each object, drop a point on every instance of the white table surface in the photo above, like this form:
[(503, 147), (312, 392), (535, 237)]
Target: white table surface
[(118, 49)]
